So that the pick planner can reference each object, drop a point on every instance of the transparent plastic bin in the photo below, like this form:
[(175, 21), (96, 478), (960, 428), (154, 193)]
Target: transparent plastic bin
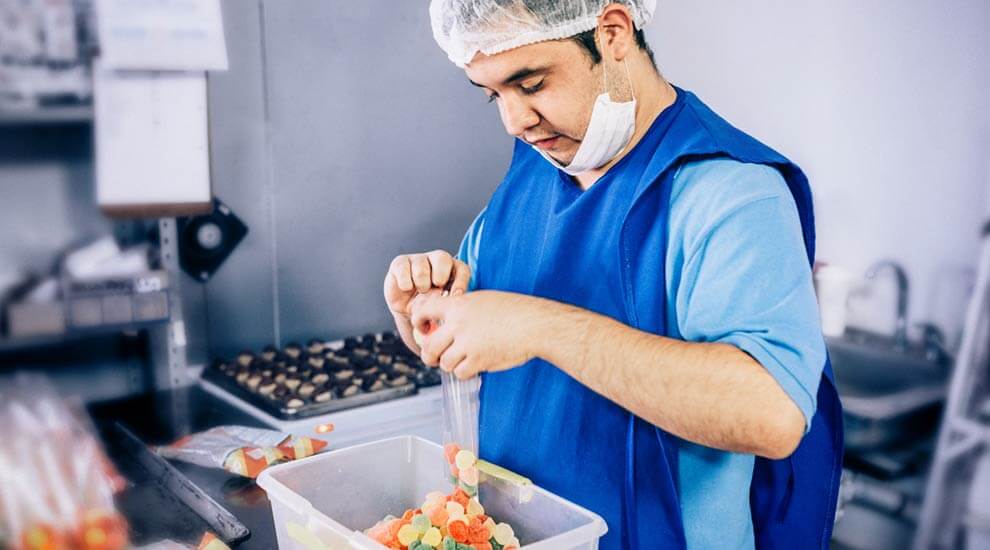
[(327, 500)]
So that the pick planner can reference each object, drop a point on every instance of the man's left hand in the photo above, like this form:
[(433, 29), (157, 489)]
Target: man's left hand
[(481, 331)]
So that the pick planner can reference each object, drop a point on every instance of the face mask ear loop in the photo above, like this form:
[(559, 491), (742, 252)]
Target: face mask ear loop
[(625, 63), (601, 48), (632, 89)]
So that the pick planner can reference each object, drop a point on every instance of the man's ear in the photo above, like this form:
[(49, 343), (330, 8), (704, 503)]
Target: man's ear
[(617, 32)]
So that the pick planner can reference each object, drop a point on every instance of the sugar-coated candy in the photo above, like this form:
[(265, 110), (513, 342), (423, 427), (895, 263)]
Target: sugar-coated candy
[(460, 497), (407, 534), (439, 516), (474, 507), (489, 523), (470, 490), (450, 451), (421, 522), (503, 533), (469, 476), (458, 529), (455, 510), (465, 459), (432, 537), (445, 522)]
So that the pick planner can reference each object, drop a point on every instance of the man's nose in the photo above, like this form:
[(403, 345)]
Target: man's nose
[(517, 117)]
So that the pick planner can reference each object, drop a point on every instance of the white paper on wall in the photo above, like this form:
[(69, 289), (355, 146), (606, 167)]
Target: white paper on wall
[(152, 142), (178, 35)]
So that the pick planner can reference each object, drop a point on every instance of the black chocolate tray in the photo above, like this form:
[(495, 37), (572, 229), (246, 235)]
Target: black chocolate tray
[(355, 372)]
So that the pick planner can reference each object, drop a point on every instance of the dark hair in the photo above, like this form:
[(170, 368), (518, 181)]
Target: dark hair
[(587, 41)]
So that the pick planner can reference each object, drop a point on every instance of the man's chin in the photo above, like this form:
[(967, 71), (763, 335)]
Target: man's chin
[(563, 160)]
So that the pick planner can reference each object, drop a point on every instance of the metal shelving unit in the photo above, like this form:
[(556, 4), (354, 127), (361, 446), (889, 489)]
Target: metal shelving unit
[(47, 116), (964, 440)]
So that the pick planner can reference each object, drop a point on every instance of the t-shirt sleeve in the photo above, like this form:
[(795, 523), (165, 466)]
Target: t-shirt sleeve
[(744, 276), (468, 251)]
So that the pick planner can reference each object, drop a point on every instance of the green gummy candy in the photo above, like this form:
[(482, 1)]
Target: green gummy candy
[(449, 543), (464, 546), (471, 490), (495, 544), (415, 545), (421, 523)]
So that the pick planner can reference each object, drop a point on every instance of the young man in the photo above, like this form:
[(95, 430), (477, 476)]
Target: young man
[(641, 304)]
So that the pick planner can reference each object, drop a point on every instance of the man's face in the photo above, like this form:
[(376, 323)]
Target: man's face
[(544, 93)]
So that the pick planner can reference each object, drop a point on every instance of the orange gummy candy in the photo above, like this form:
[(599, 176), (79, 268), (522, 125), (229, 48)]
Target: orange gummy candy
[(459, 530), (394, 526), (439, 516), (482, 545), (460, 497), (478, 534), (450, 451)]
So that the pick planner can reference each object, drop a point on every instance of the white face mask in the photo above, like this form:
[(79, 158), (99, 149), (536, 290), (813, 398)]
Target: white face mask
[(609, 131)]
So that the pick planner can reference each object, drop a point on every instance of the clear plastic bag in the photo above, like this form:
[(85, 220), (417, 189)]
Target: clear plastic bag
[(460, 430), (241, 450), (460, 411), (56, 484)]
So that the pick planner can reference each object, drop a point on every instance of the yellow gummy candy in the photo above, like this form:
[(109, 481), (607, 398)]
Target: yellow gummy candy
[(454, 510), (474, 507), (407, 534), (432, 537), (503, 534), (490, 525), (464, 459), (435, 496)]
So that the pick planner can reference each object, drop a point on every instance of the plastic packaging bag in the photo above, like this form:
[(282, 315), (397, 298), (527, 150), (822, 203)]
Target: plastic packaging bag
[(56, 484), (241, 450)]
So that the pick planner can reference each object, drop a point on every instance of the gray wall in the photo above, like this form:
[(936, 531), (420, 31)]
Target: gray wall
[(883, 103), (342, 136)]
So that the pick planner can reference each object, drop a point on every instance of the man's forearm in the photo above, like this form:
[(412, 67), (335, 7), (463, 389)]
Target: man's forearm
[(708, 393)]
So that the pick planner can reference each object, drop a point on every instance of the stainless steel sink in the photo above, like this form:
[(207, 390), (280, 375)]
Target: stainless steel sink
[(889, 392)]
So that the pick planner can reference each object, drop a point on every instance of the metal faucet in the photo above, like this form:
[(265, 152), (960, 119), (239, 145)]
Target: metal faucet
[(900, 335)]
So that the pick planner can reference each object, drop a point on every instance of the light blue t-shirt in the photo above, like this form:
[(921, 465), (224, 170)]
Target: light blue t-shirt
[(737, 273)]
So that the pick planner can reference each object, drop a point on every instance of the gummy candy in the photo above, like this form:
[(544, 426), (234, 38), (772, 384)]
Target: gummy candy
[(460, 497), (474, 507), (469, 476), (421, 523), (432, 537), (455, 510), (450, 451), (503, 533), (445, 522), (458, 529), (465, 459), (407, 534)]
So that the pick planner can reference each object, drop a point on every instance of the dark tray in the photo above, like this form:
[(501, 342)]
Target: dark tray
[(310, 409)]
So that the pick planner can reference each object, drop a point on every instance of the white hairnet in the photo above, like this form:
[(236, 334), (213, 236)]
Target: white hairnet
[(465, 27)]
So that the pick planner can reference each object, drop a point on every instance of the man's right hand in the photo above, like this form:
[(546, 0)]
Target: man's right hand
[(412, 274)]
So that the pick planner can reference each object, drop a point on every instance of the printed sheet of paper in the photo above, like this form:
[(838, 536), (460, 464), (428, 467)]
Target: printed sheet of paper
[(176, 35)]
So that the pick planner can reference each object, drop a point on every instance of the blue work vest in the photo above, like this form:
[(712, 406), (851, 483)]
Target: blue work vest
[(604, 250)]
